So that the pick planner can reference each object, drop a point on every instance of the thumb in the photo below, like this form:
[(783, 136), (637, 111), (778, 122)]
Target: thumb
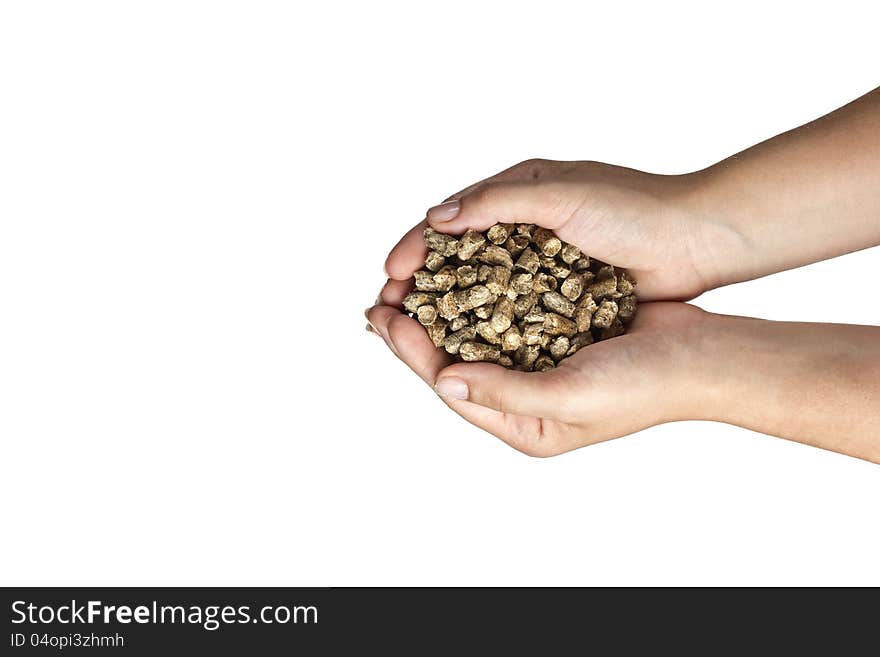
[(548, 204), (535, 394)]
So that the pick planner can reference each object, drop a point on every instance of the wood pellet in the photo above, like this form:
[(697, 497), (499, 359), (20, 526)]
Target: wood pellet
[(518, 296)]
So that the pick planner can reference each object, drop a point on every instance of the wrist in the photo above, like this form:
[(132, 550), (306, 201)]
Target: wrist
[(717, 362), (695, 387), (719, 249), (811, 383), (722, 365)]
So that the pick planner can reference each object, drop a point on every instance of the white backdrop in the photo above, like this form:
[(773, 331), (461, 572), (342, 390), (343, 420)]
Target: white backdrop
[(187, 392)]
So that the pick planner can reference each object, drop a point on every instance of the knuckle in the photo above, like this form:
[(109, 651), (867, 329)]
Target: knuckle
[(455, 370), (534, 168), (498, 400), (559, 387), (538, 449), (534, 440), (559, 201), (532, 162), (487, 194), (532, 451), (391, 266)]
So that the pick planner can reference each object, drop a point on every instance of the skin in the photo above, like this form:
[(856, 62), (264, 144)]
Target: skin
[(679, 235)]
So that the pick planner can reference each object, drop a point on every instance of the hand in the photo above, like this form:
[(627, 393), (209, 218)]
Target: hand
[(813, 383), (625, 217), (635, 220), (803, 196), (609, 389)]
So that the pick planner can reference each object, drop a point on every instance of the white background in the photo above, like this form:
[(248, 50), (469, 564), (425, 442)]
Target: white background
[(187, 392)]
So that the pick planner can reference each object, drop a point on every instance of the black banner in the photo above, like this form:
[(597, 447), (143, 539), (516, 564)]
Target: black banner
[(266, 621)]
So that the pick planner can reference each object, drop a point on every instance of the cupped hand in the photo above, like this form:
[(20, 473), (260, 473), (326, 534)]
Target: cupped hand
[(606, 390), (639, 221), (628, 218)]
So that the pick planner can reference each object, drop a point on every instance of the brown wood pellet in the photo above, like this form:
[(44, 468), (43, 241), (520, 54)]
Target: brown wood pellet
[(518, 296)]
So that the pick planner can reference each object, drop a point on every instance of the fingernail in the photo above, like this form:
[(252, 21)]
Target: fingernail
[(444, 211), (367, 312), (451, 388), (370, 329)]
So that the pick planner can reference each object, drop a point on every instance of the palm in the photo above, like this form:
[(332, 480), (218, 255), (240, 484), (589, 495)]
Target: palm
[(614, 374), (625, 217)]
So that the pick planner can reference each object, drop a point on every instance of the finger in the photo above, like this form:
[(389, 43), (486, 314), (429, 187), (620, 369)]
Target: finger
[(393, 292), (548, 204), (487, 419), (538, 394), (378, 318), (415, 348), (518, 431), (408, 255), (531, 435), (409, 342)]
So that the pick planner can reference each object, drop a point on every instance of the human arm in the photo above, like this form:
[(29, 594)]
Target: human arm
[(806, 195), (813, 383)]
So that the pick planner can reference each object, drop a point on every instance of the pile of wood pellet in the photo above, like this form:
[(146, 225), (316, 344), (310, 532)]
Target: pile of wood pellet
[(518, 296)]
